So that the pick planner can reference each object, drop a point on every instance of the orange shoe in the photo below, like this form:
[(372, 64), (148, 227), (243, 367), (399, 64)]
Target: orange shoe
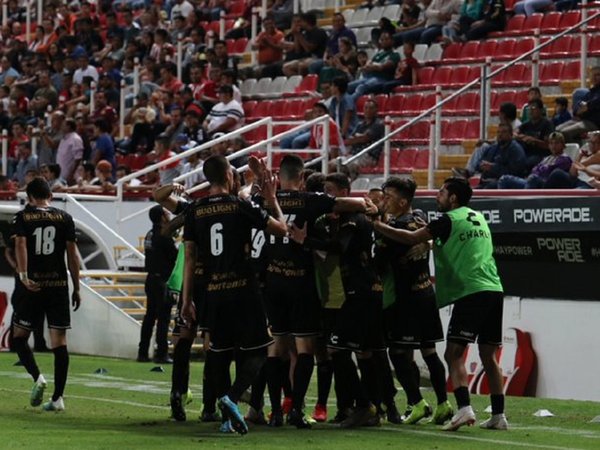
[(286, 406), (320, 413)]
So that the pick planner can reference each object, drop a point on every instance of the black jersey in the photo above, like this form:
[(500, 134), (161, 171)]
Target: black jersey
[(160, 252), (221, 227), (47, 231), (411, 279), (355, 238), (285, 257)]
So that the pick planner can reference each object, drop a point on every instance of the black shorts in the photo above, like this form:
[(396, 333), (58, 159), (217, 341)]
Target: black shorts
[(31, 307), (236, 320), (328, 321), (293, 307), (358, 326), (413, 324), (477, 317)]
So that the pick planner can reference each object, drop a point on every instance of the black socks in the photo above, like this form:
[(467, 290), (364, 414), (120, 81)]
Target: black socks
[(302, 375), (61, 367), (324, 378), (405, 374), (26, 357), (462, 397), (181, 366), (437, 374)]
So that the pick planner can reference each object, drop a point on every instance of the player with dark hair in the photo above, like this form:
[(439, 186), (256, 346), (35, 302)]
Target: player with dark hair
[(218, 231), (43, 235), (411, 317), (292, 301), (466, 276)]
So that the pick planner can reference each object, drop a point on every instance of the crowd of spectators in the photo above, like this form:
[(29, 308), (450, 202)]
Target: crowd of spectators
[(60, 92)]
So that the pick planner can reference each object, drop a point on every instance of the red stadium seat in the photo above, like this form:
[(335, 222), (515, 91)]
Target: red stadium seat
[(505, 48), (513, 26), (249, 106), (418, 133), (381, 101), (395, 105), (240, 45), (412, 104), (236, 9), (137, 162), (459, 76), (523, 46), (469, 51), (575, 46), (294, 109), (487, 48), (472, 129), (468, 103), (532, 23), (263, 109), (550, 73), (453, 131), (406, 159), (593, 25), (500, 98), (441, 77), (422, 159), (360, 104), (594, 45), (450, 106), (308, 86), (569, 18), (550, 23), (230, 45), (277, 107), (571, 71), (428, 101), (518, 75), (451, 51)]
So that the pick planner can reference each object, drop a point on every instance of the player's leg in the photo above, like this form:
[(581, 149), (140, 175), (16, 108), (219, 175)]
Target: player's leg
[(276, 372), (437, 375), (152, 304), (58, 342), (402, 360), (209, 391), (458, 374), (347, 383), (324, 379), (163, 319), (305, 347), (21, 346), (180, 394), (255, 412), (388, 390)]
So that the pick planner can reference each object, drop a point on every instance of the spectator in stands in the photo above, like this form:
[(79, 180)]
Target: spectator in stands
[(193, 163), (505, 157), (104, 148), (533, 134), (584, 170), (161, 153), (84, 70), (378, 70), (411, 17), (50, 138), (225, 116), (310, 41), (104, 111), (342, 107), (336, 144), (269, 46), (25, 161), (181, 8), (494, 19), (222, 59), (368, 131), (6, 184), (533, 93), (587, 112), (51, 172), (168, 77), (405, 71), (228, 78), (299, 139), (528, 7), (561, 111), (87, 36), (344, 63), (338, 31), (540, 173), (70, 151), (193, 124), (193, 46), (131, 29), (178, 29), (470, 12), (134, 183), (9, 73), (282, 12), (437, 14)]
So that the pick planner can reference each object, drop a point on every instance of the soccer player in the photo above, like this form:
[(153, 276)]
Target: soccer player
[(358, 322), (293, 305), (466, 276), (412, 320), (43, 235), (218, 231)]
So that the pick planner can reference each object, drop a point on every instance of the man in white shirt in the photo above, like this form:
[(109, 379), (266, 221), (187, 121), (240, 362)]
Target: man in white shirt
[(85, 70), (225, 116), (181, 8)]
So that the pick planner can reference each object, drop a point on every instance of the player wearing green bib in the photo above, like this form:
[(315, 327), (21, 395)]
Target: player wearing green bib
[(466, 277)]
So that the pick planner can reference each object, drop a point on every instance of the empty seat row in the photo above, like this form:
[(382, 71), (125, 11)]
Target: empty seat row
[(294, 86), (285, 109)]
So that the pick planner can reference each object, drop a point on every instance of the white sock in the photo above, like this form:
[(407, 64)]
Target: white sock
[(41, 379)]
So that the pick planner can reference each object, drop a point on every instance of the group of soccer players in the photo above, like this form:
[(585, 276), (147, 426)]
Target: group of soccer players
[(277, 275)]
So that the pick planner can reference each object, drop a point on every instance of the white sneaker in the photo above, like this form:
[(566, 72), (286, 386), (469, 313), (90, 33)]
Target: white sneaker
[(464, 416), (496, 422), (58, 405)]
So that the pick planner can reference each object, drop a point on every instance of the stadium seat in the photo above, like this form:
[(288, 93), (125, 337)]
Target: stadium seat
[(240, 45), (406, 159), (261, 88), (381, 100), (550, 73), (420, 51), (395, 105), (236, 9), (532, 23), (360, 104), (230, 45), (523, 46), (569, 18), (469, 51), (487, 48), (291, 84), (249, 106), (434, 53), (517, 75), (571, 71), (294, 109), (468, 103), (472, 129), (417, 133), (449, 108), (412, 104), (453, 131), (422, 159), (247, 87), (593, 25), (263, 109), (458, 76), (575, 46), (550, 23), (308, 86), (513, 26), (505, 48), (441, 76), (358, 18), (373, 16), (594, 45), (276, 110), (451, 52), (424, 77), (498, 98)]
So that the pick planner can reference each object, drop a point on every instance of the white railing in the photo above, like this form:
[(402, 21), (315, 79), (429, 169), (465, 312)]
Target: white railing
[(485, 86)]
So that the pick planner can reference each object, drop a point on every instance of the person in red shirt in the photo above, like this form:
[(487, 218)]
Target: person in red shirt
[(268, 44), (168, 76), (18, 137)]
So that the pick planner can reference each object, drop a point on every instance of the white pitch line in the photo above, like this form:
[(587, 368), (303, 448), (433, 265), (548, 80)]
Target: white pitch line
[(453, 435)]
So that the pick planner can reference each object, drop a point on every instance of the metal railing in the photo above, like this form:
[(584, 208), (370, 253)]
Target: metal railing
[(485, 87)]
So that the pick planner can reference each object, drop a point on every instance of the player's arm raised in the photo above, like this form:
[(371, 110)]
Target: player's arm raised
[(166, 196), (354, 204), (276, 224), (403, 236), (73, 264)]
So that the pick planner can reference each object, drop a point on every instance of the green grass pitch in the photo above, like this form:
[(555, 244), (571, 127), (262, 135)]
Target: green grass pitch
[(127, 408)]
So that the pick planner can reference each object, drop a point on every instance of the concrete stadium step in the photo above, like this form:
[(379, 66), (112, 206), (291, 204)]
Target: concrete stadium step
[(420, 177), (450, 161)]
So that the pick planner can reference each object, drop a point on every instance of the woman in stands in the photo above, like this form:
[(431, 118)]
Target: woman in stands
[(494, 19)]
